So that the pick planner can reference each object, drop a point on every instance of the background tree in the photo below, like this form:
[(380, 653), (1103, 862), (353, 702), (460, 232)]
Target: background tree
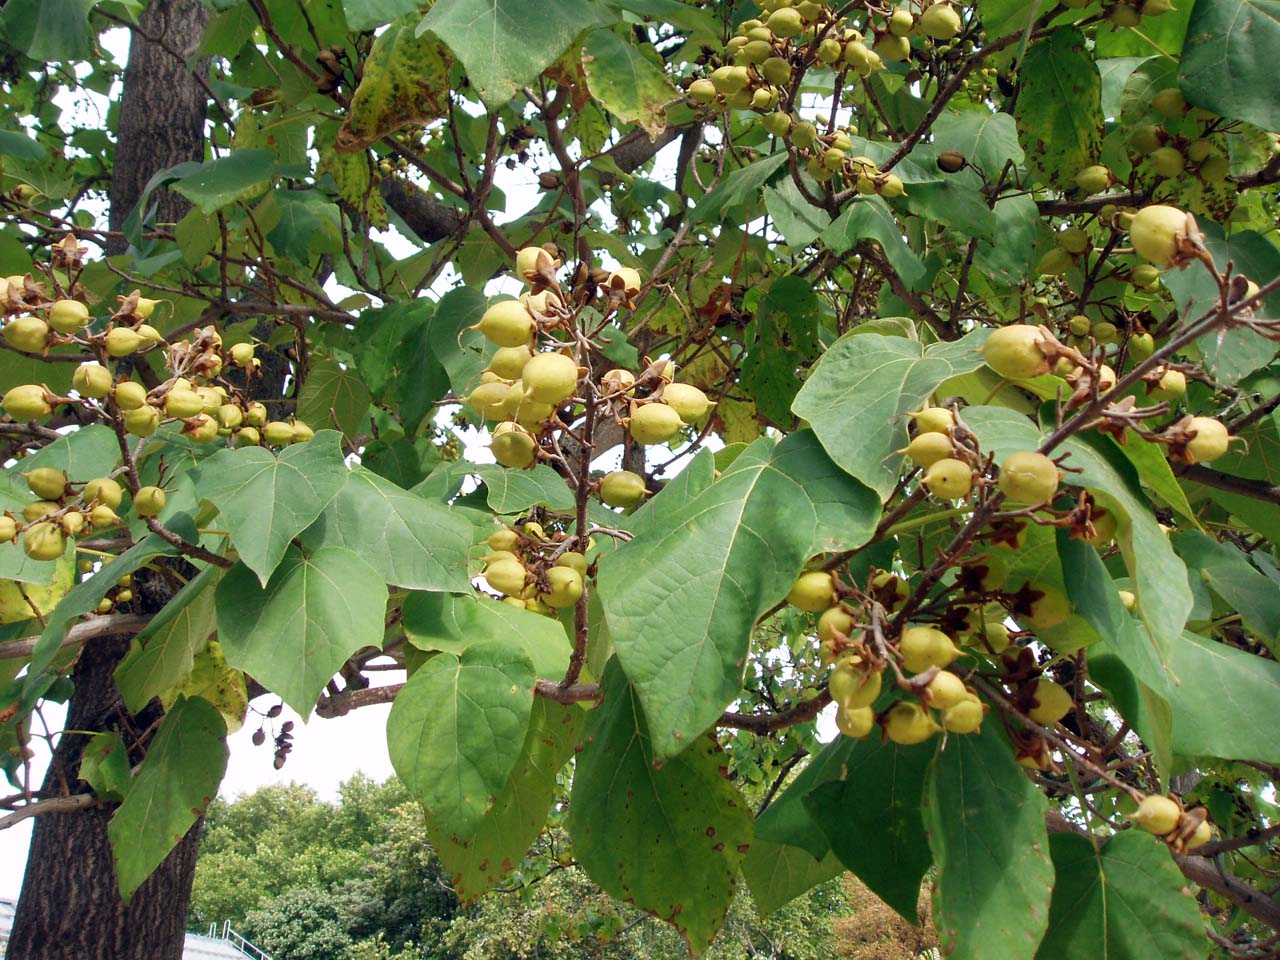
[(915, 357)]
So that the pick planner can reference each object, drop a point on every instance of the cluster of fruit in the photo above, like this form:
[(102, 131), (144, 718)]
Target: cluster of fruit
[(535, 571), (534, 376), (192, 395), (63, 511), (1181, 829)]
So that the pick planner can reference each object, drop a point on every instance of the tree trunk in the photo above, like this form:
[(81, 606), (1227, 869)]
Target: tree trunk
[(70, 904)]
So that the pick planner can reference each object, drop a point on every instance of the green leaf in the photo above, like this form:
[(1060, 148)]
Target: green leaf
[(799, 221), (265, 501), (405, 81), (86, 454), (333, 396), (48, 29), (1059, 109), (510, 491), (985, 821), (782, 338), (787, 820), (1001, 17), (386, 337), (1229, 355), (1160, 36), (175, 785), (890, 780), (371, 14), (1226, 570), (1228, 62), (668, 837), (446, 355), (241, 175), (1126, 903), (1159, 576), (294, 634), (411, 542), (987, 140), (873, 381), (163, 653), (104, 765), (777, 873), (682, 596), (869, 218), (503, 44), (520, 808), (628, 80), (739, 188), (435, 621), (456, 732), (1007, 258), (21, 147), (1152, 465)]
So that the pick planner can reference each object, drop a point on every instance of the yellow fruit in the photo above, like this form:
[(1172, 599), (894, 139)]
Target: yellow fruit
[(550, 378), (928, 448), (909, 723), (702, 90), (230, 416), (278, 433), (507, 323), (855, 722), (1171, 386), (1157, 232), (255, 414), (44, 541), (8, 530), (506, 576), (38, 509), (574, 561), (622, 488), (1014, 352), (513, 446), (1094, 179), (1050, 609), (1052, 703), (924, 647), (833, 620), (813, 590), (242, 354), (628, 278), (1028, 477), (933, 419), (129, 395), (68, 316), (489, 400), (531, 262), (1210, 442), (72, 522), (1157, 814), (148, 501), (946, 690), (503, 539), (964, 717), (47, 483), (901, 22), (688, 401), (183, 403), (145, 308), (1203, 834), (142, 422), (201, 428), (103, 516), (566, 587), (122, 341), (248, 437), (27, 333), (302, 431), (653, 423), (508, 362), (948, 479), (851, 686), (26, 402), (92, 380), (940, 21)]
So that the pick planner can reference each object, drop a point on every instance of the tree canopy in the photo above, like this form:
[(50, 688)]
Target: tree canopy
[(620, 387)]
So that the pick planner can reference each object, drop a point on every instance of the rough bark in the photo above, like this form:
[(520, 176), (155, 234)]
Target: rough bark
[(70, 904)]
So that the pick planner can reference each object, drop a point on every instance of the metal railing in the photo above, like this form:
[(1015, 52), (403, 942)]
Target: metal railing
[(240, 943)]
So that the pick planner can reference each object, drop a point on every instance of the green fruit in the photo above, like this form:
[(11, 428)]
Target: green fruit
[(1094, 179), (92, 380), (892, 48), (1123, 15), (964, 717), (901, 590), (852, 687), (855, 722), (1141, 346), (230, 416), (909, 723), (728, 81), (948, 479), (1145, 276), (506, 576), (27, 333), (566, 587), (690, 403), (1209, 442), (38, 510), (148, 501), (1014, 352), (1055, 263), (26, 402), (513, 445), (804, 134), (201, 428), (1169, 102), (1215, 169), (924, 647), (1079, 325), (574, 561), (653, 423), (776, 70), (814, 590), (1167, 162), (858, 56), (507, 323), (142, 422), (183, 404), (829, 50), (47, 483), (490, 400), (933, 419), (104, 490), (550, 378), (72, 522), (1052, 703), (702, 90), (940, 21), (255, 414), (278, 433), (1073, 240), (946, 690), (508, 362), (1029, 478), (1158, 815), (242, 354), (777, 123), (122, 341), (835, 620), (248, 437), (68, 316), (928, 448), (302, 431), (901, 23), (8, 531), (1157, 233), (503, 539), (753, 52), (622, 488), (1171, 386), (785, 22), (44, 541), (1146, 139), (1198, 151)]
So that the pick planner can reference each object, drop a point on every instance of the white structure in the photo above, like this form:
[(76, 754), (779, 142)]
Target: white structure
[(223, 945)]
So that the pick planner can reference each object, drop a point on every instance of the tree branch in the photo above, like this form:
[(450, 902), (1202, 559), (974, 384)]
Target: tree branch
[(78, 635)]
